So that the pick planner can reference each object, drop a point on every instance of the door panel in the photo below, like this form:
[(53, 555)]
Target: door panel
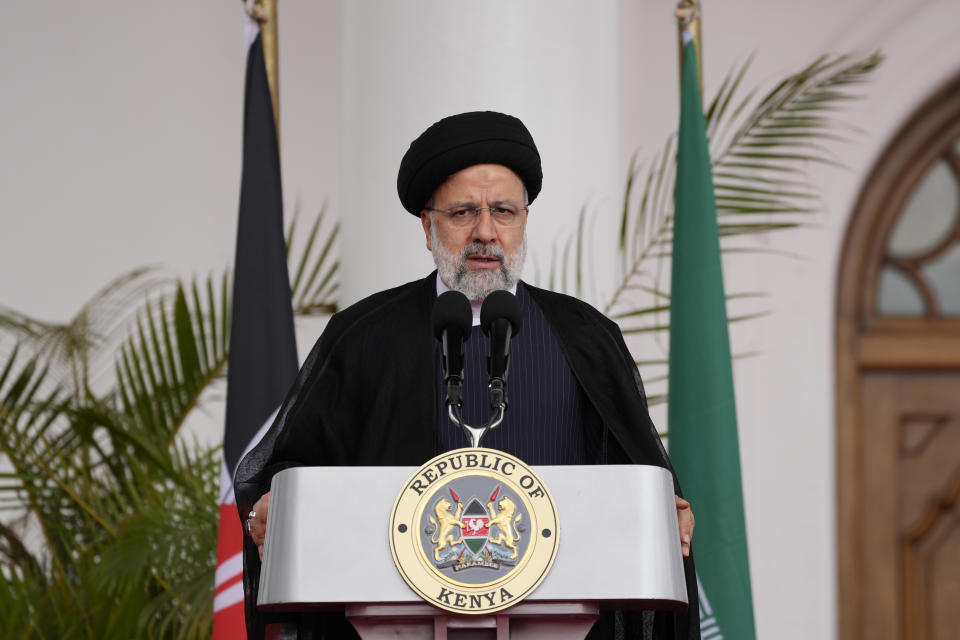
[(909, 514)]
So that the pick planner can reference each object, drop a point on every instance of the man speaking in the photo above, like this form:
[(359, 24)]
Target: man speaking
[(371, 392)]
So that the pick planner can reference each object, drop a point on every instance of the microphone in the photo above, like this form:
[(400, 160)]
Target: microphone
[(500, 319), (452, 320)]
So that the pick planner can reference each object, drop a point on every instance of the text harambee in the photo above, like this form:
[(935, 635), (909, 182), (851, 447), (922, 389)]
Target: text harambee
[(461, 461)]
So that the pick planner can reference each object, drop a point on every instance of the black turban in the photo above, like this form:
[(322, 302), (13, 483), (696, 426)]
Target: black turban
[(461, 141)]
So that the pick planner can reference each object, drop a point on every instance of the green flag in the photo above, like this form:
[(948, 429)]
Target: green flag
[(701, 414)]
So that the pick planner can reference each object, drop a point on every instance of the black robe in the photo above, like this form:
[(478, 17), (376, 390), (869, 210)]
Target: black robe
[(367, 396)]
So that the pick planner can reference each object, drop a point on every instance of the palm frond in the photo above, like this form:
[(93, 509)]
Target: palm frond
[(17, 600), (180, 529), (178, 348), (24, 423), (85, 474), (126, 510), (314, 273), (760, 150), (77, 349)]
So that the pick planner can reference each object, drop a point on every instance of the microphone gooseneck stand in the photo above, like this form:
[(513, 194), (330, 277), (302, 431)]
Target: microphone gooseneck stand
[(452, 325)]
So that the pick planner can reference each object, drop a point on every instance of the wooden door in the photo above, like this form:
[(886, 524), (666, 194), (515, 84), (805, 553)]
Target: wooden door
[(909, 511), (898, 389)]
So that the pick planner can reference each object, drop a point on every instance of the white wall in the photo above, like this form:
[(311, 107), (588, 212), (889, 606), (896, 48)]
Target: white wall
[(120, 146), (120, 138)]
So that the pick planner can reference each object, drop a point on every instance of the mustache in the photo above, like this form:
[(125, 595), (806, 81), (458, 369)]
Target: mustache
[(482, 249)]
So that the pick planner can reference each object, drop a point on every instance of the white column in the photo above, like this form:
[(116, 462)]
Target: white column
[(408, 64)]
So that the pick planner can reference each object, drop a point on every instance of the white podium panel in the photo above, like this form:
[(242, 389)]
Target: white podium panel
[(327, 538)]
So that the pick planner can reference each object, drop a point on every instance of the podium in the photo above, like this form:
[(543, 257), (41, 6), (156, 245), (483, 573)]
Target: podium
[(327, 548)]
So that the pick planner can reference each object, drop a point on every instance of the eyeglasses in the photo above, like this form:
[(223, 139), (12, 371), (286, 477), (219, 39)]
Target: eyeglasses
[(505, 215)]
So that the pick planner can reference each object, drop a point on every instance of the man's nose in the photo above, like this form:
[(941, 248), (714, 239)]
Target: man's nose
[(485, 229)]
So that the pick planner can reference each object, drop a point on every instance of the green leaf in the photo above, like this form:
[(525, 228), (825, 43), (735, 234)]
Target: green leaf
[(315, 272)]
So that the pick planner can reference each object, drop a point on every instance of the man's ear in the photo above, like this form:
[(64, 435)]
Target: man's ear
[(425, 222)]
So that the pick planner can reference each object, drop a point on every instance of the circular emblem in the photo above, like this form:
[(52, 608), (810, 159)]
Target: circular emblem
[(474, 531)]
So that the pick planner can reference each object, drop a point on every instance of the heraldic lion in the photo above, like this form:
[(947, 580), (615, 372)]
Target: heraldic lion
[(507, 523), (444, 530)]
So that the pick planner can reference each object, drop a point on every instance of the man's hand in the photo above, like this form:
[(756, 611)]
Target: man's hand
[(684, 518), (257, 521)]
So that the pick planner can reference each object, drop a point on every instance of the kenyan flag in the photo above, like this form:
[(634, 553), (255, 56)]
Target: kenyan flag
[(475, 529)]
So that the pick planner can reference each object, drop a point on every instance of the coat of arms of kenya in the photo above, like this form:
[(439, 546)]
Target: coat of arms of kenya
[(498, 524)]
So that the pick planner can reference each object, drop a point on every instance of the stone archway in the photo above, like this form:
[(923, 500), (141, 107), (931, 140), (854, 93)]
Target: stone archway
[(898, 388)]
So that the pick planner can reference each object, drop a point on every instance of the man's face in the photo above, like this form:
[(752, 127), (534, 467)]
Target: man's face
[(485, 256)]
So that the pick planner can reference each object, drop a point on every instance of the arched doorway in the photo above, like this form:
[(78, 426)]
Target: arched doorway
[(898, 389)]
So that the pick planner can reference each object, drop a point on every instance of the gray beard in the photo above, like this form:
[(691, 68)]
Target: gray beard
[(475, 284)]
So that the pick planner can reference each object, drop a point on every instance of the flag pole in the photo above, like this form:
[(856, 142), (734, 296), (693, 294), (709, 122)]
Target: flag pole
[(265, 13), (688, 15)]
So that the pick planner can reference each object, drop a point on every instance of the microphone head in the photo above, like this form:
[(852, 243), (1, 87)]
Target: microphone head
[(452, 309), (501, 305)]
